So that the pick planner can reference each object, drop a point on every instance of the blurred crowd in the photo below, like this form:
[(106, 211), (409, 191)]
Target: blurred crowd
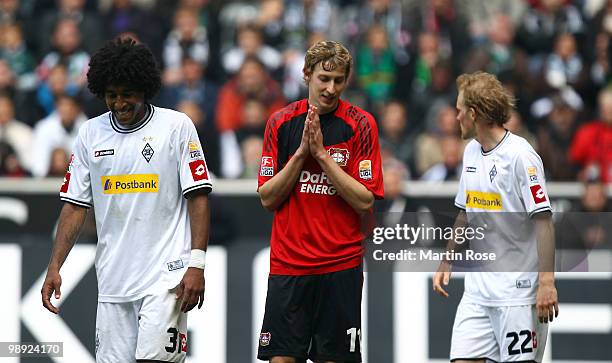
[(229, 64)]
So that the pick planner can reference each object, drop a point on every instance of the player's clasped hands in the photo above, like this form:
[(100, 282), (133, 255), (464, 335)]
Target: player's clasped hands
[(312, 137)]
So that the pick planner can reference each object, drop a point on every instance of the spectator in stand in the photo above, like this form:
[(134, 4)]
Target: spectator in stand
[(55, 84), (441, 90), (88, 24), (564, 66), (10, 12), (376, 68), (187, 39), (480, 14), (13, 50), (251, 82), (428, 55), (124, 16), (67, 51), (516, 126), (251, 156), (193, 86), (207, 133), (58, 163), (554, 136), (59, 129), (270, 21), (249, 41), (395, 134), (15, 133), (428, 145), (497, 53), (253, 124), (24, 100), (304, 17), (442, 18), (541, 24), (9, 162), (449, 168), (592, 143)]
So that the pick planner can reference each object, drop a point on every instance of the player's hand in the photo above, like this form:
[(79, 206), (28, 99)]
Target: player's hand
[(191, 289), (317, 150), (304, 148), (547, 302), (442, 276), (52, 284)]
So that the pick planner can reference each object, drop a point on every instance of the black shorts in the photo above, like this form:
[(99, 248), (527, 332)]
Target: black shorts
[(315, 317)]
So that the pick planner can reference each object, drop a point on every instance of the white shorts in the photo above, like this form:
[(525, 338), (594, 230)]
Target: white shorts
[(151, 328), (498, 333)]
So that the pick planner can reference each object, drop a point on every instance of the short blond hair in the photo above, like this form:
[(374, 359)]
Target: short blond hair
[(484, 92), (330, 54)]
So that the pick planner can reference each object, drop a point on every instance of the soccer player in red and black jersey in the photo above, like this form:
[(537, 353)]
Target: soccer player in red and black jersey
[(320, 173)]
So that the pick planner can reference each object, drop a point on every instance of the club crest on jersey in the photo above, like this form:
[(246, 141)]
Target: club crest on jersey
[(107, 152), (339, 155), (365, 169), (267, 166), (147, 152), (264, 339), (493, 173), (537, 193), (198, 170)]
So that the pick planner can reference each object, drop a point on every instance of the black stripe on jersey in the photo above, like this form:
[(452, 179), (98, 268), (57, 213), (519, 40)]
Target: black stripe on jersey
[(122, 130), (540, 210), (76, 202), (365, 130), (334, 130), (207, 186), (485, 153)]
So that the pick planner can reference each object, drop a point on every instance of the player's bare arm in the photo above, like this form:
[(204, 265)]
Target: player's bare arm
[(547, 302), (349, 189), (191, 287), (443, 274), (276, 190), (71, 220)]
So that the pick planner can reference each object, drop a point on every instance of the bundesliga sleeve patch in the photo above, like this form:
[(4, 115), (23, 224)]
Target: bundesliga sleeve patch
[(538, 193), (365, 169), (198, 170), (267, 166)]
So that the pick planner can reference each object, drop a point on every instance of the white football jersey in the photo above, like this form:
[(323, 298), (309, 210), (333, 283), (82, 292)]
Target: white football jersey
[(500, 190), (136, 180)]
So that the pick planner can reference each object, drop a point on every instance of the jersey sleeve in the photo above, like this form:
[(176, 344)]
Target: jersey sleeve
[(366, 167), (193, 171), (460, 197), (76, 188), (530, 182), (269, 153)]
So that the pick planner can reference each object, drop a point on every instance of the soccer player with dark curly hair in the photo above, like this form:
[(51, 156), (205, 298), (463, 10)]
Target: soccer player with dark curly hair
[(142, 169)]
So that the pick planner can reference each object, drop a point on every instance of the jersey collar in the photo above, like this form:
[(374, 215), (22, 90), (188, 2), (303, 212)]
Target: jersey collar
[(487, 153), (139, 125)]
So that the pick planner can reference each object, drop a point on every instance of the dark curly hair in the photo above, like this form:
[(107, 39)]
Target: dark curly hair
[(124, 62)]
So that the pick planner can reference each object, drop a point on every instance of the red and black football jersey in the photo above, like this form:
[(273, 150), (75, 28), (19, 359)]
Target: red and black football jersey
[(315, 231)]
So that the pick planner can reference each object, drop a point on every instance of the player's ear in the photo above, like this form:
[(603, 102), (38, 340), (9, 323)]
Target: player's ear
[(307, 74), (472, 112)]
